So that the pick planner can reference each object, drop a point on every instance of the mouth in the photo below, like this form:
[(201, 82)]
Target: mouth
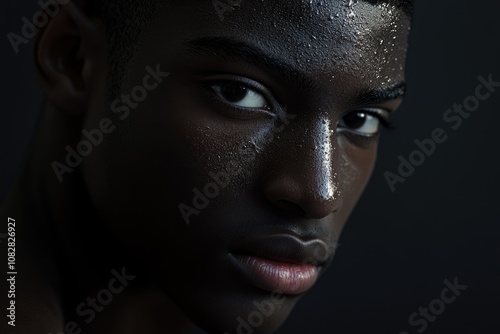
[(281, 263)]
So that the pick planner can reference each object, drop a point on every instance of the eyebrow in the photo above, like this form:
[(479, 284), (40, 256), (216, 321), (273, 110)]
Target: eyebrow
[(379, 95), (234, 50)]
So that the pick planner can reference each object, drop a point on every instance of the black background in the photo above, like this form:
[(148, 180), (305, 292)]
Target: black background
[(398, 248)]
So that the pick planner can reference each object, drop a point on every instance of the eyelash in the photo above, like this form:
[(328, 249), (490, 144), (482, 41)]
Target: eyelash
[(273, 107), (376, 112), (387, 123), (364, 140)]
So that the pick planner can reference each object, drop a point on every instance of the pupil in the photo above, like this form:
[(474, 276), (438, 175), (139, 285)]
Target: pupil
[(355, 120), (233, 93)]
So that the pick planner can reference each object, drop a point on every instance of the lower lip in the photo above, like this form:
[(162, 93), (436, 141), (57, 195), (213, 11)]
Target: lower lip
[(277, 276)]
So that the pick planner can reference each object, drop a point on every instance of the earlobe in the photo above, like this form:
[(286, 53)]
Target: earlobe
[(66, 53)]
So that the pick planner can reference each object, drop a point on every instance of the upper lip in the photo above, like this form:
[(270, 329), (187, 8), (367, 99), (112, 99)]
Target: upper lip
[(286, 248)]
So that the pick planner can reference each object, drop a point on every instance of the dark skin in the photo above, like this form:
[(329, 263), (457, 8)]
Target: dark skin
[(337, 69)]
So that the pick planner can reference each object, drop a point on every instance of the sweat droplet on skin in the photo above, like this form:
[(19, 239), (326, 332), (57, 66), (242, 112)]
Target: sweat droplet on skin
[(256, 147)]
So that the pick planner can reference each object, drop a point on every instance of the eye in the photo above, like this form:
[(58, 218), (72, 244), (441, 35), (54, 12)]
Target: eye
[(366, 123), (240, 95)]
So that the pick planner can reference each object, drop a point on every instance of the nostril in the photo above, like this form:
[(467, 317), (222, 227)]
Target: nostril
[(290, 207), (309, 201)]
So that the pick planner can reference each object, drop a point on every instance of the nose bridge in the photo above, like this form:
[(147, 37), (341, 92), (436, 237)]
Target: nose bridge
[(322, 177), (325, 157), (308, 178)]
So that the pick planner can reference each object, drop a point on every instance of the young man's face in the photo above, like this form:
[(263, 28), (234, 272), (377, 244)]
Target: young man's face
[(270, 111)]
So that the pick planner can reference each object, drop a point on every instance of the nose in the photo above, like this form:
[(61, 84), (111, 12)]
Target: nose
[(304, 180)]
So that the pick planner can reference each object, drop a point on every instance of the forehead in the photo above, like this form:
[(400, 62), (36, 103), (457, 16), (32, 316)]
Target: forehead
[(323, 39)]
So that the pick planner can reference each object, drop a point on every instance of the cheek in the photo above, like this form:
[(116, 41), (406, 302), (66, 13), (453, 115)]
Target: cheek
[(170, 145), (356, 166), (202, 148)]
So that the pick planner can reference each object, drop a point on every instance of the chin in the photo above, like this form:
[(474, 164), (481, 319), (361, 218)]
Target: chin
[(248, 310)]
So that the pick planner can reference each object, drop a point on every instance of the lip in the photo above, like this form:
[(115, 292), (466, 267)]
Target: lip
[(281, 263)]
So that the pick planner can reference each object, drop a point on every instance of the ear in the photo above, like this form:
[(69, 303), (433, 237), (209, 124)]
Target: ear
[(68, 53)]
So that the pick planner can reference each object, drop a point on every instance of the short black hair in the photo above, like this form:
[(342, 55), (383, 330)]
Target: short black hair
[(125, 20)]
